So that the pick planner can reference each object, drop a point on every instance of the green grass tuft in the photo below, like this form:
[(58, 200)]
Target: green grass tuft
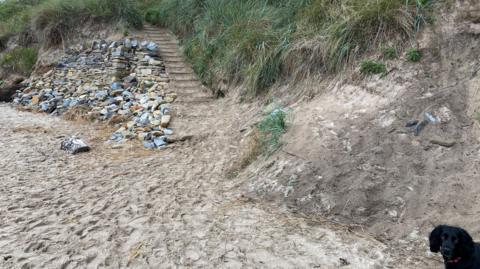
[(414, 55), (271, 128), (19, 60), (370, 67), (390, 53), (476, 116)]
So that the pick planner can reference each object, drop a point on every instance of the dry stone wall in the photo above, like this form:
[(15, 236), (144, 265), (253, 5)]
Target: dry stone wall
[(124, 82)]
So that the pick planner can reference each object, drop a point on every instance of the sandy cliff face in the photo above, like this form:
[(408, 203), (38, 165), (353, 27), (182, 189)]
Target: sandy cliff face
[(350, 156)]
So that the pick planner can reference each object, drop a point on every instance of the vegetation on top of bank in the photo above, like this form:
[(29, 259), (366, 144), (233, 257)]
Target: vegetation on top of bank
[(253, 42), (53, 21), (260, 41)]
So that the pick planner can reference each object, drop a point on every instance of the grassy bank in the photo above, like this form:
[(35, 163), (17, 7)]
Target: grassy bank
[(254, 42), (51, 21), (260, 41)]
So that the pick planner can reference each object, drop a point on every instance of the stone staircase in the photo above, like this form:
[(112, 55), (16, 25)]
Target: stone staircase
[(193, 99)]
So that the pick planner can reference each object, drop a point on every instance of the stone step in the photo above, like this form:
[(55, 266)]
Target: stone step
[(192, 89), (185, 84), (194, 101), (169, 50), (183, 77), (161, 36), (177, 65), (170, 59), (170, 62), (156, 31), (181, 73), (166, 54), (165, 41), (161, 39), (188, 95), (182, 96), (168, 45), (179, 70)]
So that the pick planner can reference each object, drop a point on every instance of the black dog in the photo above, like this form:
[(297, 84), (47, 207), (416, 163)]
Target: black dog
[(457, 247)]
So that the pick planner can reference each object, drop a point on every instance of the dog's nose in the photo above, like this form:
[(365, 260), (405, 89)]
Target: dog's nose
[(446, 251)]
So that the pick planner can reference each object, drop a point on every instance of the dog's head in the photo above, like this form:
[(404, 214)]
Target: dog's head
[(453, 243)]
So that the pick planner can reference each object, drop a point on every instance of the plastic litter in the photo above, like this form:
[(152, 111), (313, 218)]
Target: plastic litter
[(411, 123), (420, 126), (431, 118)]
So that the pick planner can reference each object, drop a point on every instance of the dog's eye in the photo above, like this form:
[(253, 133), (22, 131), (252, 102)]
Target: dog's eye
[(454, 239)]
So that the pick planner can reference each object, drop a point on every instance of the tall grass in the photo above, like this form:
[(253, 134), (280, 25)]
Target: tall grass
[(359, 25), (15, 16), (259, 41), (55, 20), (234, 41)]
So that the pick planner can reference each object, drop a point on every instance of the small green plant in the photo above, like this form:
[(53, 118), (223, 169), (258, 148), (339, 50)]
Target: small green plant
[(477, 116), (19, 60), (390, 53), (271, 128), (264, 140), (370, 67), (414, 55)]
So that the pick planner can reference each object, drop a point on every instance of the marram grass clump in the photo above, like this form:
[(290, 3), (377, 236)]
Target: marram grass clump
[(414, 55), (371, 67)]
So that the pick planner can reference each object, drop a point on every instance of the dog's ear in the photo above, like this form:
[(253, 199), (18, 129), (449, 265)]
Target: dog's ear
[(465, 244), (436, 239)]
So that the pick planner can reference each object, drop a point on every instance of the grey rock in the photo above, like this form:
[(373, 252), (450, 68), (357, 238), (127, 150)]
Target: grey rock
[(116, 136), (101, 95), (168, 131), (159, 141), (149, 144), (116, 86), (165, 109), (144, 119), (74, 145)]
